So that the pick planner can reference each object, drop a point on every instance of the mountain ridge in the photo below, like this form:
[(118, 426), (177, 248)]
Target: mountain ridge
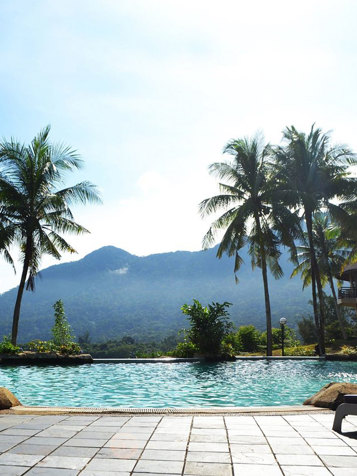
[(112, 293)]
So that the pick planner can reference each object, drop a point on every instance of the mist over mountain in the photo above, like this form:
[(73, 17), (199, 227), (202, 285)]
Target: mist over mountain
[(112, 293)]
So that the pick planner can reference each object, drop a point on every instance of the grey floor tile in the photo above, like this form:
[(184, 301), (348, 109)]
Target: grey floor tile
[(89, 472), (219, 447), (12, 470), (292, 449), (305, 471), (209, 438), (116, 443), (326, 442), (94, 435), (19, 432), (253, 458), (168, 437), (85, 443), (63, 462), (250, 440), (207, 469), (134, 436), (23, 448), (334, 450), (161, 467), (298, 460), (343, 471), (340, 461), (49, 433), (257, 470), (9, 459), (265, 449), (100, 464), (166, 445), (76, 451), (164, 455), (121, 453), (12, 439), (46, 441), (36, 471), (208, 457)]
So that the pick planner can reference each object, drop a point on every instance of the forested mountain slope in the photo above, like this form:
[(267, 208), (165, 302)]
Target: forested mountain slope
[(112, 293)]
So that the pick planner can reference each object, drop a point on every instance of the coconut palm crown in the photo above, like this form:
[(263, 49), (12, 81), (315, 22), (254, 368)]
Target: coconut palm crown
[(35, 209), (251, 215)]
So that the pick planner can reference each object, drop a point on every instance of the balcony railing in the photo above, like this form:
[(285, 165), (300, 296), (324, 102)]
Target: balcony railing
[(347, 293)]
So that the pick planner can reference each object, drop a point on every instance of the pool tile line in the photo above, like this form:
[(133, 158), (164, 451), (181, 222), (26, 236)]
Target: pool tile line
[(147, 442), (229, 443), (187, 446)]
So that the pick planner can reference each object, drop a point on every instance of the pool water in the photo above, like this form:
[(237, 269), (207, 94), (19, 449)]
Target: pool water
[(175, 385)]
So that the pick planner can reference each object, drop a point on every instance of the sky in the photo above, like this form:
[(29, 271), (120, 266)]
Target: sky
[(150, 91)]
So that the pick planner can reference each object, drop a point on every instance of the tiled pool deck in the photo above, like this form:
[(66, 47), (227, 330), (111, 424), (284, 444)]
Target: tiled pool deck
[(206, 445)]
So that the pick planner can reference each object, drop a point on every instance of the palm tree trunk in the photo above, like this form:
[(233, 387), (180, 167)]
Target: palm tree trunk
[(337, 308), (316, 277), (16, 316), (269, 350)]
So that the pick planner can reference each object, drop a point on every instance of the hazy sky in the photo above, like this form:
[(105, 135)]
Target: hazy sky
[(149, 92)]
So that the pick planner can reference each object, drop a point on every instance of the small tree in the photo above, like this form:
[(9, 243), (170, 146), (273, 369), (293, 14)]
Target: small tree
[(248, 338), (61, 331), (209, 325)]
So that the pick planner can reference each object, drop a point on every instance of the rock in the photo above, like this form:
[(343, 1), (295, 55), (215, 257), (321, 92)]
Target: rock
[(331, 395), (7, 399)]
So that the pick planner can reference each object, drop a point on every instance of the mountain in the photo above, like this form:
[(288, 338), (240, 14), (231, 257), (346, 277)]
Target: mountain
[(112, 293)]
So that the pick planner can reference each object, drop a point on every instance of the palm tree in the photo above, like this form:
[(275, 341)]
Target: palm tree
[(331, 255), (252, 216), (312, 173), (38, 211)]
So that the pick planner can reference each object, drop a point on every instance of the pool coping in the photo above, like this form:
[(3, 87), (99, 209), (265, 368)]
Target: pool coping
[(169, 360), (270, 410)]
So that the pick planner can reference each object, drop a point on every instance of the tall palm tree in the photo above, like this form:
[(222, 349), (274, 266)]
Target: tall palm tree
[(331, 255), (312, 173), (252, 216), (37, 209)]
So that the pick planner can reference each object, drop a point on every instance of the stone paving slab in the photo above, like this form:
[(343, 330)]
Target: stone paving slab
[(195, 445)]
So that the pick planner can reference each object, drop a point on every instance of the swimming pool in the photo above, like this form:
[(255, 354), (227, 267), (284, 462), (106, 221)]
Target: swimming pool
[(175, 385)]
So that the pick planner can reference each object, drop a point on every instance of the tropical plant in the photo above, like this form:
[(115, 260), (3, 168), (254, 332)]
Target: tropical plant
[(6, 347), (330, 255), (248, 338), (253, 213), (61, 331), (209, 325), (37, 211), (311, 173)]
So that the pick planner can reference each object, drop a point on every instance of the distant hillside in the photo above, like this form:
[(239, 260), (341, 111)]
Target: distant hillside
[(112, 293)]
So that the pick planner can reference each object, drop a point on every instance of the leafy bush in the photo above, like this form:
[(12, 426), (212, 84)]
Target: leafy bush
[(41, 346), (72, 349), (348, 350), (61, 331), (6, 347), (184, 349), (290, 339), (209, 325), (301, 350), (248, 338)]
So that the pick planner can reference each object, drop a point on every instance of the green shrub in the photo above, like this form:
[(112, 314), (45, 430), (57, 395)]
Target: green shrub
[(6, 347), (41, 346), (348, 350), (301, 350), (248, 338), (185, 349), (209, 325), (72, 349), (61, 331)]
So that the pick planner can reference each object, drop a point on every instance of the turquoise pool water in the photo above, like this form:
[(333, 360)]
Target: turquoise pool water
[(175, 385)]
